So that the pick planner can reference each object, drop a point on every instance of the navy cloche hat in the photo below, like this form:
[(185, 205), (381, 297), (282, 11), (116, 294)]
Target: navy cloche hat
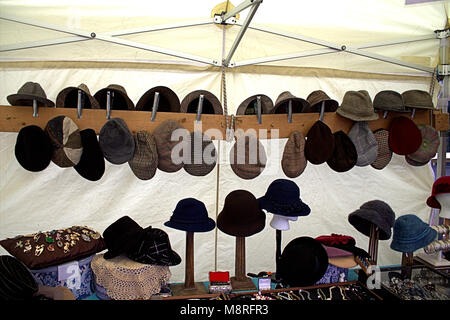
[(283, 198), (191, 215)]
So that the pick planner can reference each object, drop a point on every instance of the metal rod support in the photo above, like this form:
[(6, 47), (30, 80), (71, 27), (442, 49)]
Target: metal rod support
[(322, 110), (239, 36), (80, 101), (200, 107), (108, 104), (290, 111), (155, 106), (244, 5), (35, 108), (258, 107)]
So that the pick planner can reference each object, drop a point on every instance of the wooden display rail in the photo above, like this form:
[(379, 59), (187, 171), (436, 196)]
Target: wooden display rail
[(303, 122), (13, 118)]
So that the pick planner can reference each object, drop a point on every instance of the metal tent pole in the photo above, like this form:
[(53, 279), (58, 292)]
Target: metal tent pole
[(443, 101)]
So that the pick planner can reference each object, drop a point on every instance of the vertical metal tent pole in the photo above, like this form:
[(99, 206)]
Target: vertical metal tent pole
[(443, 101)]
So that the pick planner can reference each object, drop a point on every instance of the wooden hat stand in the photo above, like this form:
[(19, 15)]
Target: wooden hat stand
[(189, 287), (240, 281)]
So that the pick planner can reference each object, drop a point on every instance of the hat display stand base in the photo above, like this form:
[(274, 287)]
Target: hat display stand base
[(276, 276), (189, 287), (373, 244), (240, 281), (407, 263)]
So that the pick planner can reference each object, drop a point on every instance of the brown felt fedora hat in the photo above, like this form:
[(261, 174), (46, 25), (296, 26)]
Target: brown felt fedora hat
[(357, 106), (293, 161), (248, 157), (168, 100), (241, 215), (315, 100), (249, 105), (282, 103), (145, 159), (27, 93), (319, 144), (211, 105), (164, 145), (119, 98), (68, 98)]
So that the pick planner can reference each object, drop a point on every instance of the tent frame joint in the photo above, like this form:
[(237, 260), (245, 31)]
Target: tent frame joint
[(441, 34)]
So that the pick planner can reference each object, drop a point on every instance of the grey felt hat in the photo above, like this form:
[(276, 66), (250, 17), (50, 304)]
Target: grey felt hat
[(375, 212), (365, 143), (116, 141), (389, 100)]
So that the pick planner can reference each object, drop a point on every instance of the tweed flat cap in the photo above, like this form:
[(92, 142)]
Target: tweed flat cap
[(384, 154), (248, 157), (116, 141), (66, 141), (202, 156), (429, 146), (293, 161), (365, 143), (145, 160), (165, 144)]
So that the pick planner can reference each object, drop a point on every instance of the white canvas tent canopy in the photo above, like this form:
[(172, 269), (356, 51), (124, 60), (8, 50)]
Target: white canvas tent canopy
[(334, 46)]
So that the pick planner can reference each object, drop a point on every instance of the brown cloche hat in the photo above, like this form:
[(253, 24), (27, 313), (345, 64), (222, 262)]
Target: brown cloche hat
[(248, 106), (27, 93), (120, 101), (315, 100), (168, 100), (211, 105), (281, 105), (293, 161), (241, 215), (244, 164), (357, 106), (68, 98)]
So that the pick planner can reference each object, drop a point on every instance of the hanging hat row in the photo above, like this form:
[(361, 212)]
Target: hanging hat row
[(356, 105), (115, 97)]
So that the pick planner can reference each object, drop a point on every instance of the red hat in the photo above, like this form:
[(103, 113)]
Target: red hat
[(441, 185), (404, 136)]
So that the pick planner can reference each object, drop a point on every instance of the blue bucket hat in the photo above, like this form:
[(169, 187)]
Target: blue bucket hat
[(191, 215), (283, 198), (411, 234)]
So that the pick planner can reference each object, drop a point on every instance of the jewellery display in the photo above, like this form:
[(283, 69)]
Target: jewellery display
[(424, 284), (344, 291)]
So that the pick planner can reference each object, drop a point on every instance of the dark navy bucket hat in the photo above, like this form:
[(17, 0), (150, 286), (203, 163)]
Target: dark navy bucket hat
[(191, 215), (411, 234), (283, 197)]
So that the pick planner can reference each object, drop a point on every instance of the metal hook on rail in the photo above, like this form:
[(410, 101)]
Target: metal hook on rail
[(155, 106)]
